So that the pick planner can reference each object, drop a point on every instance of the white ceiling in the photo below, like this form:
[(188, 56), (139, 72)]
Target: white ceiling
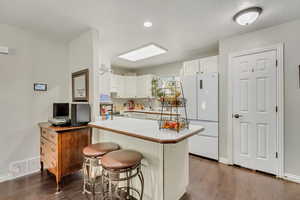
[(186, 28)]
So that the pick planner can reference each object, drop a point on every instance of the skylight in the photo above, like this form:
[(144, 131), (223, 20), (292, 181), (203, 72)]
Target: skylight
[(144, 52)]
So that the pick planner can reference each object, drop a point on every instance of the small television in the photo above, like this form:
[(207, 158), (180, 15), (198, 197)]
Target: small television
[(80, 114), (60, 110)]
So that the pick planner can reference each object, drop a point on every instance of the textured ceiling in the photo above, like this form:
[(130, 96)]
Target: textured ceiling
[(186, 28)]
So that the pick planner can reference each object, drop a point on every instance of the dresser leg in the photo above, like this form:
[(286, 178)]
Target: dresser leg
[(42, 166), (58, 184)]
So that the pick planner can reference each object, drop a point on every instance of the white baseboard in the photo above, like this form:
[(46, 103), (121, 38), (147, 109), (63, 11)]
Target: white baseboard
[(21, 168), (5, 177), (292, 177), (224, 160)]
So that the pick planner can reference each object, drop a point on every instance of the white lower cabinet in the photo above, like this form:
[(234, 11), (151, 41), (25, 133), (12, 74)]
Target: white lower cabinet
[(206, 143)]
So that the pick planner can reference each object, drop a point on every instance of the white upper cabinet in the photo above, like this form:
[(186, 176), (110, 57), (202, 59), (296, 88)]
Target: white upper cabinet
[(114, 83), (209, 64), (130, 86), (200, 66), (118, 85), (191, 67), (144, 86)]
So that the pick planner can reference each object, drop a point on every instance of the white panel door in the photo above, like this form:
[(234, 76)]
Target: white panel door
[(190, 94), (207, 97), (254, 104)]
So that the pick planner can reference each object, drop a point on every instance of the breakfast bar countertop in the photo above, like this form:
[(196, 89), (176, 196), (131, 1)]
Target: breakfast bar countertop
[(145, 129)]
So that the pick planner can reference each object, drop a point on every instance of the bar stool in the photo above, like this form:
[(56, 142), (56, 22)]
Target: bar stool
[(92, 169), (121, 167)]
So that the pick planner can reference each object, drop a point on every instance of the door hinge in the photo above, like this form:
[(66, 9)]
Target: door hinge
[(276, 63), (276, 155), (276, 108)]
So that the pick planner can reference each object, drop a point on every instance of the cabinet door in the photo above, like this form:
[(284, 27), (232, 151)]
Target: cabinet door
[(130, 86), (118, 85), (191, 67), (209, 64), (72, 144), (140, 87), (113, 83), (149, 85), (147, 79)]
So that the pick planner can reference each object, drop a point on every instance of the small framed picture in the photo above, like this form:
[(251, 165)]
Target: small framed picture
[(40, 87), (80, 86)]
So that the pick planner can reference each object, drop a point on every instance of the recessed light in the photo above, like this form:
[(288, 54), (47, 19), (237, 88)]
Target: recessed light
[(247, 16), (147, 24), (144, 52)]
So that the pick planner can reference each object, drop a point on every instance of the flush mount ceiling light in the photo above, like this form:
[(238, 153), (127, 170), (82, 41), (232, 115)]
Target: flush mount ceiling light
[(247, 16), (147, 24), (144, 52)]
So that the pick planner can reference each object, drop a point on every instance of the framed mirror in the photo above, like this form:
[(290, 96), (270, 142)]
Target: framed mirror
[(80, 86)]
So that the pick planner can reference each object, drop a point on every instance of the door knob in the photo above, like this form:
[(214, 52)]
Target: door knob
[(237, 116)]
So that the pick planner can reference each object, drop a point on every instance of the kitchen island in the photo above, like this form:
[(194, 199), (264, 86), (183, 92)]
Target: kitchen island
[(165, 165)]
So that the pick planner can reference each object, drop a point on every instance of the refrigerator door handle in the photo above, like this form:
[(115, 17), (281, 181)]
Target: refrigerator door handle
[(201, 84)]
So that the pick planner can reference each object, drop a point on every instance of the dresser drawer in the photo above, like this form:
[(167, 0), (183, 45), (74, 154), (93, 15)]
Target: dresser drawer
[(50, 163), (48, 149), (49, 135)]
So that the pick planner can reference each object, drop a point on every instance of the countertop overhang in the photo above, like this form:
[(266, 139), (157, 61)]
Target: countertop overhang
[(146, 130)]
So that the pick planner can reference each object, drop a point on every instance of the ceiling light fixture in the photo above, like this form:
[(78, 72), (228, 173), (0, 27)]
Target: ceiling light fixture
[(247, 16), (147, 24), (144, 52)]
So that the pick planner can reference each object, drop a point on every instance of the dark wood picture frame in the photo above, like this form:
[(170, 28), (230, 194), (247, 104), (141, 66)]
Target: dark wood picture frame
[(85, 74)]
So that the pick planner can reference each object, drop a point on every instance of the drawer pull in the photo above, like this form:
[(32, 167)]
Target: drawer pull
[(53, 149)]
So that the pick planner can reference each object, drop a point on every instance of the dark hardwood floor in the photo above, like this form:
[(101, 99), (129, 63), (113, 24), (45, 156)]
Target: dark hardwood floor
[(209, 180)]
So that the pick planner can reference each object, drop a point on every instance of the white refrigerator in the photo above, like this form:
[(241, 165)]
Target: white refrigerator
[(201, 93)]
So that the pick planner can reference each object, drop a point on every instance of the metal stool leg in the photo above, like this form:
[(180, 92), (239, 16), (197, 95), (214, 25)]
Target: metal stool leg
[(126, 176), (84, 175), (141, 177)]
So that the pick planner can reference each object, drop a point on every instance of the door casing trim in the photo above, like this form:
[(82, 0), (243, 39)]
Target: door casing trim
[(280, 103)]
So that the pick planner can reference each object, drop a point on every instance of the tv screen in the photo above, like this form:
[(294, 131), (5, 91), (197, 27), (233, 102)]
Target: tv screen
[(60, 110), (81, 114)]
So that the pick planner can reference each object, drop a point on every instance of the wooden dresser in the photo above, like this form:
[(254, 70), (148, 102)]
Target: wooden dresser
[(61, 149)]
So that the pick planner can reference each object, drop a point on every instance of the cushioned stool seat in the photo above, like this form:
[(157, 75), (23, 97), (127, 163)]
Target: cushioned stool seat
[(121, 159), (99, 149)]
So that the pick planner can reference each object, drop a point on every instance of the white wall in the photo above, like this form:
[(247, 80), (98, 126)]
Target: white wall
[(84, 54), (289, 34), (32, 58), (81, 56)]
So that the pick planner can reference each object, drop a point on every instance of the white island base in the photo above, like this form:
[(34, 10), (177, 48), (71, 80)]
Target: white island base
[(165, 165)]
